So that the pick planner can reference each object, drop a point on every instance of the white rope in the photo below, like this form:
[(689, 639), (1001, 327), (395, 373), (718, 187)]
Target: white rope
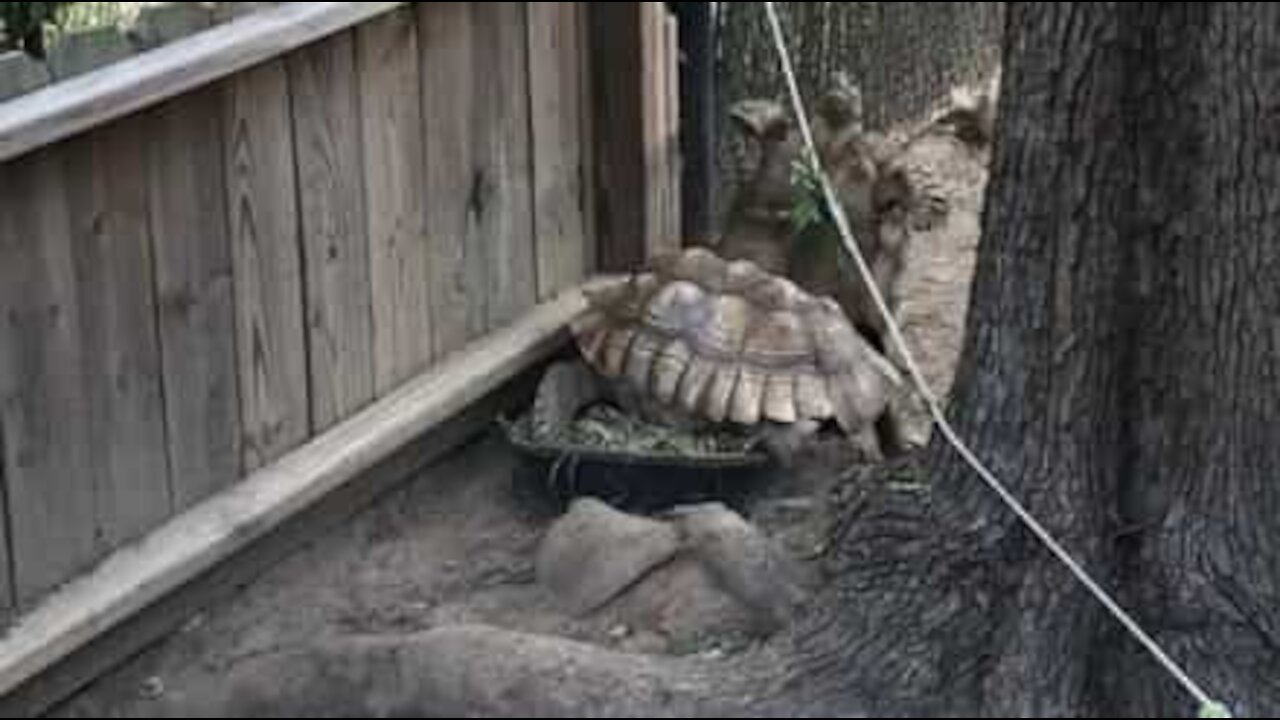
[(1207, 704)]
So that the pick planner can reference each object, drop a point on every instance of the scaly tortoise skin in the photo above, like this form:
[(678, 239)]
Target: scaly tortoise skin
[(726, 342)]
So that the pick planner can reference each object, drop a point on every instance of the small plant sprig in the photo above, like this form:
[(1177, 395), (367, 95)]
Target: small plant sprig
[(809, 209), (1215, 710), (812, 224)]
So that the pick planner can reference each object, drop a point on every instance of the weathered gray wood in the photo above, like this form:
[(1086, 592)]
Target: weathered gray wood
[(505, 222), (8, 591), (42, 408), (67, 108), (326, 114), (661, 227), (121, 363), (447, 40), (266, 252), (671, 137), (391, 113), (616, 56), (476, 95), (194, 281), (587, 139), (654, 110), (555, 88), (197, 540), (168, 614)]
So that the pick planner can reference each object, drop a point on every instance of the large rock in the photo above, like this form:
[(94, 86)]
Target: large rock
[(701, 573), (743, 561), (683, 603), (594, 553)]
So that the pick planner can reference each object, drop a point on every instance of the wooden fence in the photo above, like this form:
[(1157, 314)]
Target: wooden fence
[(214, 252)]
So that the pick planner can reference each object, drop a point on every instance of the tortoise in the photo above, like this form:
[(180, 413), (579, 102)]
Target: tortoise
[(701, 341), (885, 194)]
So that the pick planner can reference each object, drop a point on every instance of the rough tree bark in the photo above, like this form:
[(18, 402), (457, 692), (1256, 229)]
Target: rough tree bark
[(1120, 372)]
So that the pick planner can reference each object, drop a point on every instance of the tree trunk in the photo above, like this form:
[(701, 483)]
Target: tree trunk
[(1120, 372)]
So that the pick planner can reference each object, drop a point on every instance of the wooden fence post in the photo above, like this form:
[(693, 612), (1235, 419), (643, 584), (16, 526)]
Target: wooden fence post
[(635, 101)]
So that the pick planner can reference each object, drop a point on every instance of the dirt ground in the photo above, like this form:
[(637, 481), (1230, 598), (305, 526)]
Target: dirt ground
[(456, 545)]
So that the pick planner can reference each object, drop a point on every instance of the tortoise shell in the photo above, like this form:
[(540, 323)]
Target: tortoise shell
[(726, 341)]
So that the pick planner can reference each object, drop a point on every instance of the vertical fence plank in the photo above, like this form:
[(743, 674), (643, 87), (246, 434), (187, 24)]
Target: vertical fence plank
[(42, 409), (654, 108), (555, 88), (476, 94), (335, 245), (617, 58), (8, 592), (194, 279), (671, 135), (447, 36), (116, 291), (266, 255), (391, 112), (587, 137), (659, 75), (505, 220), (696, 86)]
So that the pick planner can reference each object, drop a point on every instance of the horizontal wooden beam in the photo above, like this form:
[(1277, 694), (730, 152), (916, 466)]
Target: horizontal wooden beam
[(195, 542), (78, 104)]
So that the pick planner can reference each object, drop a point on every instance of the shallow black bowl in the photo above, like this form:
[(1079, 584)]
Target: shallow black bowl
[(630, 481)]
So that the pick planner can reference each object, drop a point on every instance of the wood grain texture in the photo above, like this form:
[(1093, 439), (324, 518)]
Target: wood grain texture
[(504, 203), (194, 542), (66, 108), (616, 59), (326, 114), (588, 140), (654, 104), (675, 231), (447, 35), (112, 252), (43, 412), (266, 253), (476, 98), (388, 58), (555, 89), (187, 197), (661, 136), (8, 591)]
